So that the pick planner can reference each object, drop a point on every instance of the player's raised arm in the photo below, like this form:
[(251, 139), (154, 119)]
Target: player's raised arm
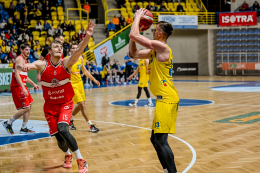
[(135, 35), (68, 62)]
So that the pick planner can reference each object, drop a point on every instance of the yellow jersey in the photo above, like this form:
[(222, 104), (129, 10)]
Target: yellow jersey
[(75, 72), (143, 69), (161, 84)]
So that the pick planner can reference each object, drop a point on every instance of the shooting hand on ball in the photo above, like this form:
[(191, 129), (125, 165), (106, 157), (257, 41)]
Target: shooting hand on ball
[(141, 12)]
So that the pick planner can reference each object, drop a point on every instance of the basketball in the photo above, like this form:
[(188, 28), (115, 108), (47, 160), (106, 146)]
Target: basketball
[(146, 21)]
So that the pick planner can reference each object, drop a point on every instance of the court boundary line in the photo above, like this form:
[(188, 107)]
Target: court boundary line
[(194, 154)]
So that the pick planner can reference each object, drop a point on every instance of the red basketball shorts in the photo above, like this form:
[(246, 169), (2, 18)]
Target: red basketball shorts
[(59, 113), (20, 101)]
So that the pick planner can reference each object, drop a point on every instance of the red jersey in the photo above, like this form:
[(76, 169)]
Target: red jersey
[(48, 57), (23, 75), (56, 84)]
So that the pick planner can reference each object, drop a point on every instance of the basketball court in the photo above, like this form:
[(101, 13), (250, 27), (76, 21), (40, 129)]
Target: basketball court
[(217, 131)]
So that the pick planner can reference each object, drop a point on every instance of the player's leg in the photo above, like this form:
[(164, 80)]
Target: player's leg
[(137, 97), (150, 103), (64, 147), (63, 129), (165, 152), (157, 151), (24, 129)]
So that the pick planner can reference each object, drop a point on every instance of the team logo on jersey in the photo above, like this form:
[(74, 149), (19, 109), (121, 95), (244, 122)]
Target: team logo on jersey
[(163, 82), (55, 83), (23, 104), (149, 71), (157, 125)]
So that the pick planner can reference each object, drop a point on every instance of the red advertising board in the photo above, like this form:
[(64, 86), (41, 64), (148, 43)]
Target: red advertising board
[(238, 19), (241, 66)]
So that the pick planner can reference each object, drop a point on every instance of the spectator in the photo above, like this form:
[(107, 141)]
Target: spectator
[(180, 8), (163, 7), (27, 31), (3, 34), (75, 38), (9, 25), (117, 71), (120, 3), (31, 7), (14, 34), (23, 36), (38, 14), (8, 35), (1, 40), (124, 25), (111, 26), (149, 6), (70, 27), (11, 63), (3, 24), (121, 20), (3, 47), (87, 8), (47, 26), (48, 41), (82, 35), (12, 54), (31, 41), (105, 60), (23, 2), (15, 20), (11, 9), (20, 26), (26, 20), (59, 3), (39, 6), (226, 7), (255, 6), (5, 60), (47, 13), (95, 72), (51, 31), (15, 46), (19, 6), (135, 8), (155, 8), (37, 54), (64, 26), (116, 22), (36, 45), (59, 30), (66, 44), (128, 67), (39, 26), (8, 47), (46, 4), (129, 20), (244, 7)]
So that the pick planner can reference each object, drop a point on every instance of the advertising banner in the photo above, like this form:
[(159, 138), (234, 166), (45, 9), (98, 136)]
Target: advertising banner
[(6, 77), (101, 50), (121, 40), (240, 66), (181, 22), (238, 19), (185, 69)]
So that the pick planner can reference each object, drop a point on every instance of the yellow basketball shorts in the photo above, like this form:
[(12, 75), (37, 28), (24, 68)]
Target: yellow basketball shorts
[(79, 92), (143, 82), (165, 117)]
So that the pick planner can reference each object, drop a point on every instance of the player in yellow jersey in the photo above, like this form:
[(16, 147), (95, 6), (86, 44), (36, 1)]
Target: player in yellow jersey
[(78, 87), (161, 85), (143, 81)]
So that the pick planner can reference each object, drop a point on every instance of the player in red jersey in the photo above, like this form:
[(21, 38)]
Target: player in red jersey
[(45, 53), (21, 96), (58, 93)]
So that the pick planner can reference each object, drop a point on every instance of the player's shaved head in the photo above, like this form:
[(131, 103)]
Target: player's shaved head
[(166, 28)]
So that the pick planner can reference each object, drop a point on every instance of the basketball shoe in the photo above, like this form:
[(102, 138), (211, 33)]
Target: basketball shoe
[(148, 104), (93, 128), (82, 165), (8, 127), (71, 125), (68, 161), (26, 131), (133, 104)]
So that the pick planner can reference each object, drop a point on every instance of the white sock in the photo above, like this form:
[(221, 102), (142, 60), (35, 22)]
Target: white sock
[(72, 118), (67, 153), (11, 120), (89, 122), (136, 101), (24, 125), (165, 170), (149, 100), (77, 154)]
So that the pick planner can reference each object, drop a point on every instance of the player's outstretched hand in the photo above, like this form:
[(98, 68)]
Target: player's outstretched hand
[(90, 28), (36, 87), (130, 77), (97, 82), (141, 12)]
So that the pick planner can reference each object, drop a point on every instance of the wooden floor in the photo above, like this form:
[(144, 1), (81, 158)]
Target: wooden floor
[(122, 148)]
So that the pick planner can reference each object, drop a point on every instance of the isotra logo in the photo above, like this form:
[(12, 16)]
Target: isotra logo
[(103, 50), (234, 19)]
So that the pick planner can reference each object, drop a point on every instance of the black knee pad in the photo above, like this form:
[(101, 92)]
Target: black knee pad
[(63, 128)]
